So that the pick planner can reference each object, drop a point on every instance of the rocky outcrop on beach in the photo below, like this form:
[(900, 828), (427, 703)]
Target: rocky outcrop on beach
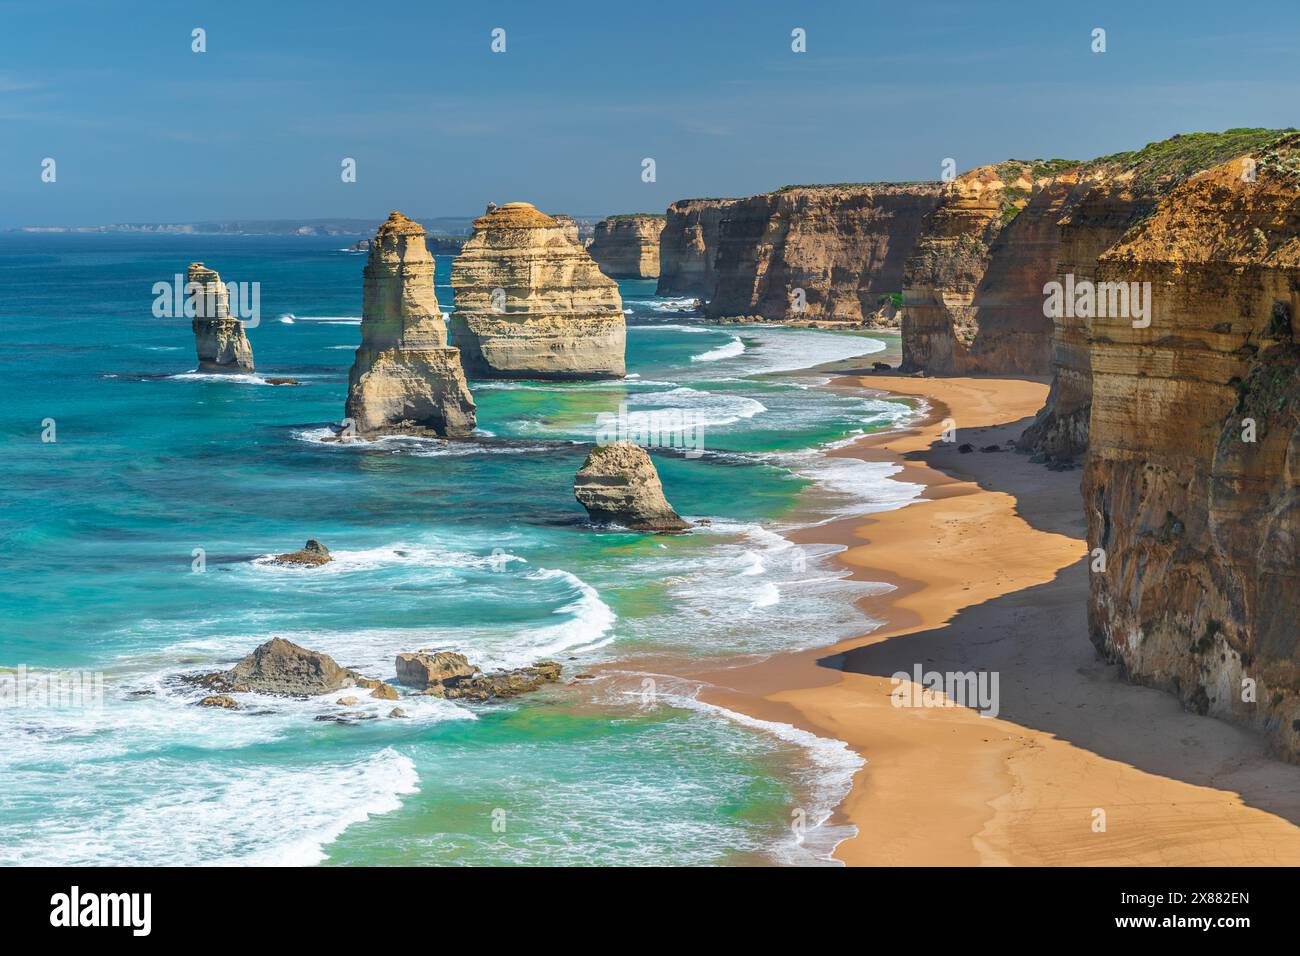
[(451, 675), (818, 252), (312, 553), (532, 304), (219, 337), (1193, 461), (405, 378), (627, 246), (973, 287), (280, 668), (1113, 194), (688, 246), (618, 484)]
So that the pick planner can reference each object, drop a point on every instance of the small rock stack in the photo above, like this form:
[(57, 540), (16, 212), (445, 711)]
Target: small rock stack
[(219, 337)]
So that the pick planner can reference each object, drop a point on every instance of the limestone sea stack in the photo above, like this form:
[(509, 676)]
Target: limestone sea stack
[(532, 304), (405, 377), (618, 484), (219, 337), (627, 247)]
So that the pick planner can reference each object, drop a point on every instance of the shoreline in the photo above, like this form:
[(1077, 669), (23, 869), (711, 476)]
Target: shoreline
[(988, 574)]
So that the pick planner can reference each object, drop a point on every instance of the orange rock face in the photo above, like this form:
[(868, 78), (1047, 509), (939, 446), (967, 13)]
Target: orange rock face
[(688, 247), (627, 247), (818, 252), (1192, 476), (973, 287)]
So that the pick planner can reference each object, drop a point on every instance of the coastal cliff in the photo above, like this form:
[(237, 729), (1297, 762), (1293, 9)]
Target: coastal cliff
[(688, 247), (1114, 193), (405, 378), (818, 252), (532, 304), (973, 287), (1190, 482), (219, 339), (627, 247)]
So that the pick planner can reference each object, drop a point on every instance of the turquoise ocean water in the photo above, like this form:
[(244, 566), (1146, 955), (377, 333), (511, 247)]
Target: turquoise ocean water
[(477, 547)]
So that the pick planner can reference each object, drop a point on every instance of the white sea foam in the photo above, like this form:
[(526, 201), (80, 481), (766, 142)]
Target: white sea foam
[(328, 319), (827, 775), (770, 350), (682, 304), (707, 408), (170, 812), (730, 350), (667, 327), (370, 559), (234, 378), (833, 764)]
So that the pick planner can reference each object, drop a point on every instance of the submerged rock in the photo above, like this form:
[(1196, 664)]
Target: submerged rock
[(220, 700), (219, 338), (530, 303), (618, 484), (451, 675), (423, 670), (282, 668), (405, 377), (312, 553)]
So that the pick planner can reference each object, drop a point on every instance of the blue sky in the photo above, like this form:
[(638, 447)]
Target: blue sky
[(143, 129)]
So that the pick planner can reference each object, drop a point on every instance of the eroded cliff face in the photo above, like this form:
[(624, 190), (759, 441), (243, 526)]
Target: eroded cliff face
[(627, 247), (405, 378), (973, 287), (818, 252), (532, 304), (688, 247), (219, 339), (1114, 194), (1192, 476)]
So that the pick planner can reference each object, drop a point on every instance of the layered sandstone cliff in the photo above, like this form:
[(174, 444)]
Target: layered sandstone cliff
[(405, 377), (627, 247), (219, 338), (818, 252), (1192, 477), (688, 247), (1114, 193), (532, 304), (973, 287)]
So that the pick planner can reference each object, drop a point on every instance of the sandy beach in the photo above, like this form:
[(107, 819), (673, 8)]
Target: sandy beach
[(989, 575)]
